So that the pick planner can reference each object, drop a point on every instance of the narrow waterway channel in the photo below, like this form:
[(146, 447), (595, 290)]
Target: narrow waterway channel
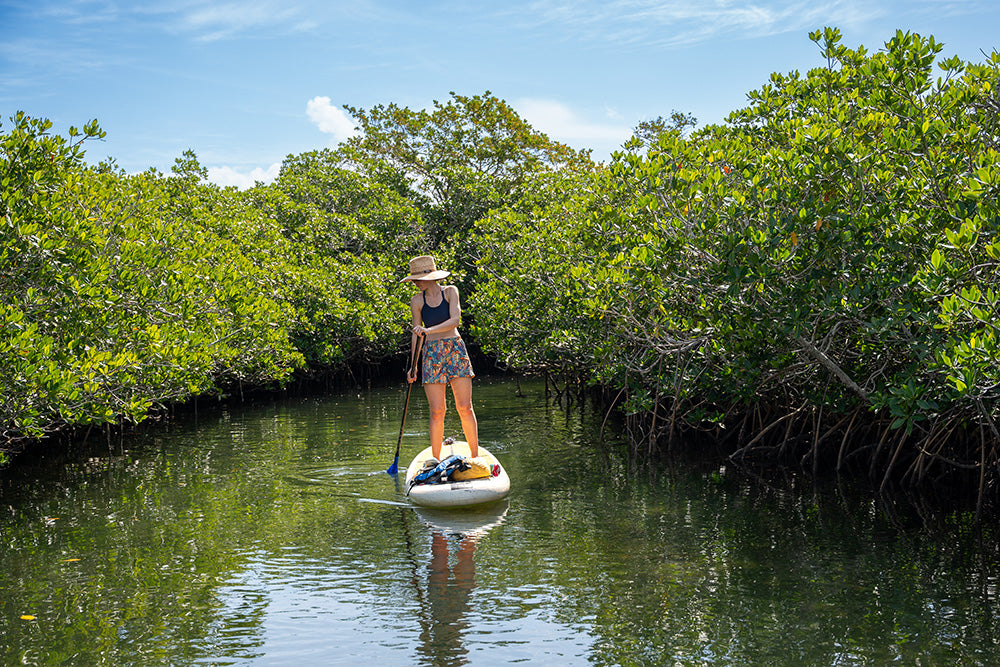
[(270, 534)]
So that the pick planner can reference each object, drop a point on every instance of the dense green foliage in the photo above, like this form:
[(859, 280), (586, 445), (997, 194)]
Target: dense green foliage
[(465, 157), (822, 268), (817, 277), (120, 292), (344, 234)]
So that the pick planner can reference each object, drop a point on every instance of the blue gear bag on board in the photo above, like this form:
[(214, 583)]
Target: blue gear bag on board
[(441, 472)]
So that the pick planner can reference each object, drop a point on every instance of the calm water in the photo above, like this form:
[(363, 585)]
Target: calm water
[(271, 535)]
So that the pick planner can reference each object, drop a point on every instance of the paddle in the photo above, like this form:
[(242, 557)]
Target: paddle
[(394, 468)]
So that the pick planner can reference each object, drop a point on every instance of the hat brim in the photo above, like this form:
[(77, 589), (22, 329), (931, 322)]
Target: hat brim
[(433, 275)]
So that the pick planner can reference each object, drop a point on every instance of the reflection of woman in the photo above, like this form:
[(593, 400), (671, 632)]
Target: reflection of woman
[(437, 312), (448, 592)]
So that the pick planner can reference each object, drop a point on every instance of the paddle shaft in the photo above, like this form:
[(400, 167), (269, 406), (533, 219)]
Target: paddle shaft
[(413, 371)]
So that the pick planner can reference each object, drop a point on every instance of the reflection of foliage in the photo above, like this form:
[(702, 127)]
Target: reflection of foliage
[(129, 563), (203, 534), (684, 571)]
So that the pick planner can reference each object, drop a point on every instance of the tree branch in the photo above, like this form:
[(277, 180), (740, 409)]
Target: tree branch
[(827, 363)]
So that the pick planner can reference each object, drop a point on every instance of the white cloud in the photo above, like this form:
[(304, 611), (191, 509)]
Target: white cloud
[(675, 23), (330, 119), (561, 123), (226, 176), (212, 21)]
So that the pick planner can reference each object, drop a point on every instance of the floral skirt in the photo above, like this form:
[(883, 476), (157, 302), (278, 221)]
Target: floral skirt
[(444, 359)]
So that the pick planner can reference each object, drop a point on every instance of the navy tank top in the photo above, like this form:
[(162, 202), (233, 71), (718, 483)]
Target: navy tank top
[(437, 314)]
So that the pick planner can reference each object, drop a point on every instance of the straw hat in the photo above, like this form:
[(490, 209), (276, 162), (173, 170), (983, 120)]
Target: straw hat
[(423, 268)]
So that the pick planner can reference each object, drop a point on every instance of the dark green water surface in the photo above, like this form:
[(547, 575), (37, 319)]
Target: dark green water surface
[(271, 535)]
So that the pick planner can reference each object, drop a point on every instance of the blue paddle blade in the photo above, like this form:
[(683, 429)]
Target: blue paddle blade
[(394, 468)]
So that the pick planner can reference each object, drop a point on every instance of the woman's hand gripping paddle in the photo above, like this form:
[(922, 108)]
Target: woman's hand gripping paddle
[(414, 360)]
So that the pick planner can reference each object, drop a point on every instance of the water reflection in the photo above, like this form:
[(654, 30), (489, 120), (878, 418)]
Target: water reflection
[(451, 579), (272, 535), (448, 589)]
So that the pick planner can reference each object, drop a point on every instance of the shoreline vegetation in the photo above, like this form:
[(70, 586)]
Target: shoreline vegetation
[(814, 282)]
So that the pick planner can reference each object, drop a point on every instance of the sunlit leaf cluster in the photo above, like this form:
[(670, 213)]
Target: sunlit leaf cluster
[(123, 292)]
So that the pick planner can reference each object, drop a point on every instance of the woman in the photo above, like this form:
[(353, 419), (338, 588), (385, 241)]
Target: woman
[(437, 313)]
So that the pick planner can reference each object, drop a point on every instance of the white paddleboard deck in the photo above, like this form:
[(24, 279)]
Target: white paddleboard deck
[(457, 494)]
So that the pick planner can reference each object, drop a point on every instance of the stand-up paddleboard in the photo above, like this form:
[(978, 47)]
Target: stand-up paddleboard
[(458, 493)]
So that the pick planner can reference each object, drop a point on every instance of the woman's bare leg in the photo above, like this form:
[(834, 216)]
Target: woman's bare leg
[(436, 402), (461, 388)]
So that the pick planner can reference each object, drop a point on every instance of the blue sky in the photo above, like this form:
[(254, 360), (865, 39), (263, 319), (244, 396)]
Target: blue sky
[(245, 83)]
